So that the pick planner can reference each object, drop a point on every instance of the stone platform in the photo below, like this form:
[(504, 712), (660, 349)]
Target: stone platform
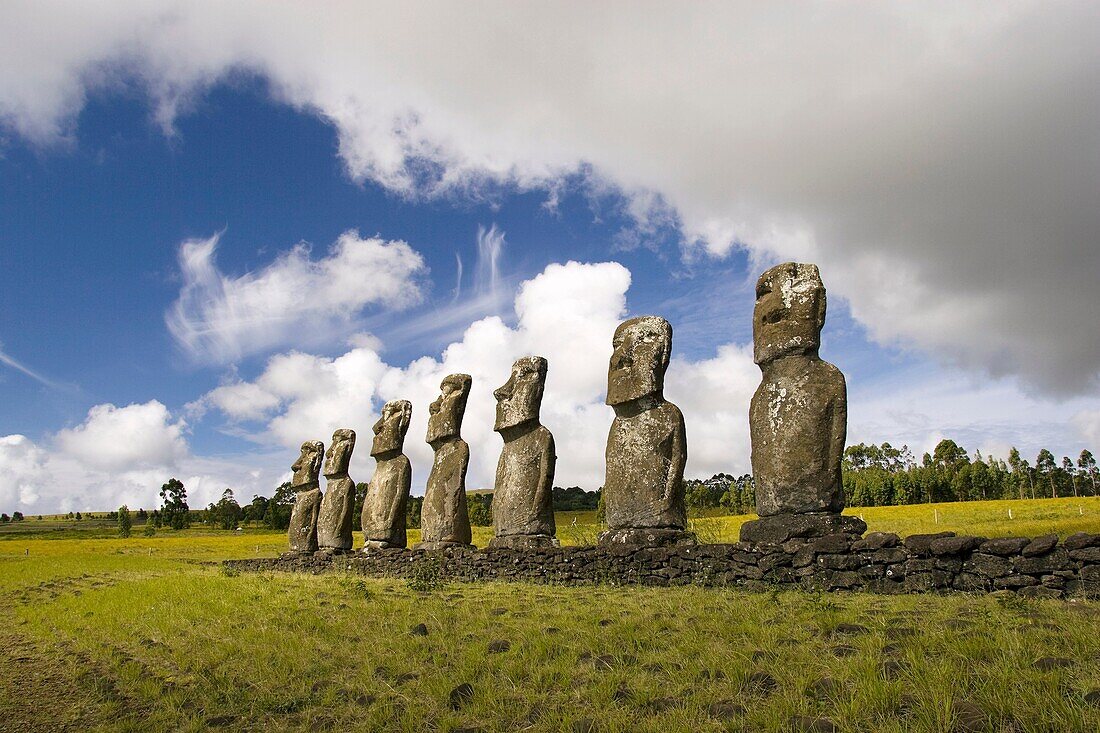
[(1040, 567)]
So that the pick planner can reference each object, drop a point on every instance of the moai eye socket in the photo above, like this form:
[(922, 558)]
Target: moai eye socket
[(774, 316), (763, 288)]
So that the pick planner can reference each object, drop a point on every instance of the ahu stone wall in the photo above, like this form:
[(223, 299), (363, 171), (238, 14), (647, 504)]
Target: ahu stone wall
[(878, 562)]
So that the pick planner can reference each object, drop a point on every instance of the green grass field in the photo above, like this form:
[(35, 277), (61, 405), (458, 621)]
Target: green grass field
[(149, 634)]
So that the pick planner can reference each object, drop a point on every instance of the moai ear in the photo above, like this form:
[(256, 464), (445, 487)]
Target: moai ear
[(406, 416), (821, 303)]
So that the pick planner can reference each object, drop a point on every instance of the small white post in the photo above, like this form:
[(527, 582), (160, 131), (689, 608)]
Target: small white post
[(1010, 513), (937, 513)]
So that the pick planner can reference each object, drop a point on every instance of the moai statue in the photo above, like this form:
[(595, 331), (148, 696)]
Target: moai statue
[(388, 493), (799, 414), (334, 523), (523, 501), (307, 498), (444, 520), (647, 446)]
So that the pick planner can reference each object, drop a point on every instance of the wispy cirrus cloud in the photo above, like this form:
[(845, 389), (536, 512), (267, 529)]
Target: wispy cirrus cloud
[(296, 299), (22, 368)]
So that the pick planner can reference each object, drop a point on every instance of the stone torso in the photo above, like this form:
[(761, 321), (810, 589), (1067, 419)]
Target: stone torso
[(384, 508), (522, 498), (797, 420), (444, 518), (303, 521), (646, 453), (334, 523)]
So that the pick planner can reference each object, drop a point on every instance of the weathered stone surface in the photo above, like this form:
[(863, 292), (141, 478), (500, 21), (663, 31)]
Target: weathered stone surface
[(1049, 562), (1089, 555), (335, 520), (954, 545), (303, 521), (444, 519), (1004, 546), (971, 583), (1081, 540), (1014, 581), (645, 537), (1040, 545), (782, 527), (966, 717), (461, 695), (307, 501), (876, 541), (921, 544), (988, 566), (798, 416), (523, 502), (383, 518), (647, 444)]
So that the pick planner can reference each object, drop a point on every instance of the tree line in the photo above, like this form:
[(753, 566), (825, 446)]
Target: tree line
[(872, 475), (877, 475)]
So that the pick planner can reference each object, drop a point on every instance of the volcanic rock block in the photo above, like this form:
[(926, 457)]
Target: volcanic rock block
[(383, 518), (335, 521), (444, 518), (523, 501), (307, 500), (647, 445)]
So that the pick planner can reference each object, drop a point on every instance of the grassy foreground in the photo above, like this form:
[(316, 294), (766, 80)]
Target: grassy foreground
[(149, 634)]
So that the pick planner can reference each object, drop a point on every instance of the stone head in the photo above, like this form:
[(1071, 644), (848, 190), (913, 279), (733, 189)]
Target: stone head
[(642, 348), (338, 458), (445, 414), (519, 400), (308, 466), (389, 431), (789, 313)]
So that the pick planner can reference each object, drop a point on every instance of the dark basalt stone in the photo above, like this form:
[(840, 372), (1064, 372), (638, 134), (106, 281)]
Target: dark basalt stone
[(460, 695), (921, 544), (954, 545), (642, 537), (968, 718), (782, 527), (1040, 546), (1081, 540), (1004, 546), (876, 541)]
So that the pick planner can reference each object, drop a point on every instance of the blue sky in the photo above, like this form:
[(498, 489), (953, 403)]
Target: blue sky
[(112, 161)]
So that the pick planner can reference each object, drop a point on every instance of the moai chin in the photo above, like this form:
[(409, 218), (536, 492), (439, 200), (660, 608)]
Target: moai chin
[(444, 519), (643, 491), (523, 501), (799, 414), (307, 498), (384, 507), (334, 524)]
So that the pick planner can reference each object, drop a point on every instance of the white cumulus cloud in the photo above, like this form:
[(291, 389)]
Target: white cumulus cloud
[(122, 438), (21, 471), (295, 299), (122, 455)]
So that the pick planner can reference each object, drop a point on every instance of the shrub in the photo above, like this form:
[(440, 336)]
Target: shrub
[(427, 575)]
